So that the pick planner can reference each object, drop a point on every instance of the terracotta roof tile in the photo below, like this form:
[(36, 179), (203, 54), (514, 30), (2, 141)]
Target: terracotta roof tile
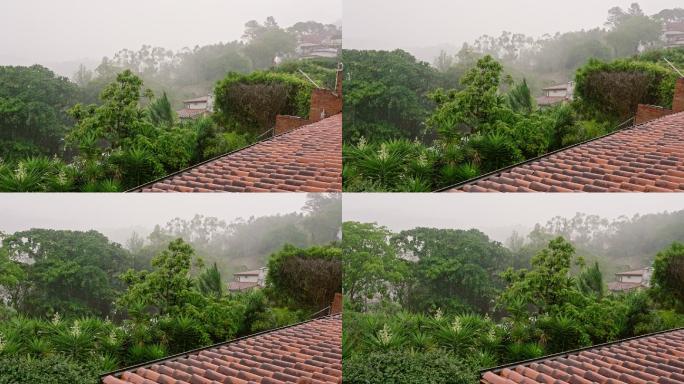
[(310, 352), (645, 158), (657, 358), (307, 159)]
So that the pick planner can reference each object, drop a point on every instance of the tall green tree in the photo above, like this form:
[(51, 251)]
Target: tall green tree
[(668, 274), (548, 284), (210, 283), (167, 287), (33, 104), (454, 270), (70, 272), (161, 112), (371, 266)]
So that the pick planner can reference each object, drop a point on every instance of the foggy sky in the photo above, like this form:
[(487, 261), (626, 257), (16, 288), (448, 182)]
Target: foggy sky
[(388, 24), (117, 215), (496, 214), (43, 31)]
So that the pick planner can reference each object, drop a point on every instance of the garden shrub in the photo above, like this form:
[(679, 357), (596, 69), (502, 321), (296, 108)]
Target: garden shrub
[(408, 367), (53, 369)]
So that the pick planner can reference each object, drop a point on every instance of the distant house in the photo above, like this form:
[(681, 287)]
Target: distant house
[(631, 280), (325, 49), (198, 107), (244, 281), (556, 94), (673, 34)]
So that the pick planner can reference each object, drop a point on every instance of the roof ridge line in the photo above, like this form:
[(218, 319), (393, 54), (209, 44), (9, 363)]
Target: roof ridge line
[(201, 349), (150, 183), (528, 161)]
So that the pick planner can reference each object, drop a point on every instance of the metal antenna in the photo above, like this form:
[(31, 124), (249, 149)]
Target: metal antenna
[(308, 78), (673, 67)]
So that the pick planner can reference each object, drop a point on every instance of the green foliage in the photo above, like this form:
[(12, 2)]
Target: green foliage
[(613, 89), (381, 104), (370, 263), (408, 367), (467, 110), (548, 285), (591, 281), (520, 98), (167, 287), (668, 274), (161, 112), (266, 42), (73, 273), (305, 278), (48, 370), (33, 101), (250, 103), (454, 270), (210, 283)]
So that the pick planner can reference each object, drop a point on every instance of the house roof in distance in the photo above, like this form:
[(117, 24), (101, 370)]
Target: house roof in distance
[(556, 87), (656, 358), (187, 113), (306, 159), (636, 272), (309, 352), (197, 99), (241, 285), (255, 272), (645, 158)]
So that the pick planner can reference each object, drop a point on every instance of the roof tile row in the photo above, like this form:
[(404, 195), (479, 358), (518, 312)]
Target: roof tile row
[(651, 359), (307, 159), (308, 353), (645, 158)]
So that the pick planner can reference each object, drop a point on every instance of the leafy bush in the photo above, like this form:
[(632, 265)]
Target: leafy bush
[(407, 367), (54, 369), (250, 103), (613, 89)]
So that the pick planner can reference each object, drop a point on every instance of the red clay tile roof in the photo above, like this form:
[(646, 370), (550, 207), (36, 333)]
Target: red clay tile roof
[(307, 159), (309, 353), (620, 286), (241, 285), (187, 113), (645, 158), (550, 100), (657, 358)]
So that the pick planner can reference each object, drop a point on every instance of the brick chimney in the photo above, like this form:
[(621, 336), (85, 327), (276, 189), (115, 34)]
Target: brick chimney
[(324, 103), (651, 112), (678, 99), (336, 306)]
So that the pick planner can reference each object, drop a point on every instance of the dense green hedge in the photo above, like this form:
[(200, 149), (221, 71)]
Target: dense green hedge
[(47, 370), (250, 103), (407, 367), (614, 89)]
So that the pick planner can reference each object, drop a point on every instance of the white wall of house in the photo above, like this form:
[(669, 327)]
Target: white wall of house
[(248, 278), (197, 105), (556, 92), (630, 278)]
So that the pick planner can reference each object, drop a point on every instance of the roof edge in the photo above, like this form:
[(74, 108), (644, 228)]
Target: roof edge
[(573, 351), (150, 183), (196, 350)]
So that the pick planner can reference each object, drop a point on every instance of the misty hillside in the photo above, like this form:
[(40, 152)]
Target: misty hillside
[(618, 245)]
